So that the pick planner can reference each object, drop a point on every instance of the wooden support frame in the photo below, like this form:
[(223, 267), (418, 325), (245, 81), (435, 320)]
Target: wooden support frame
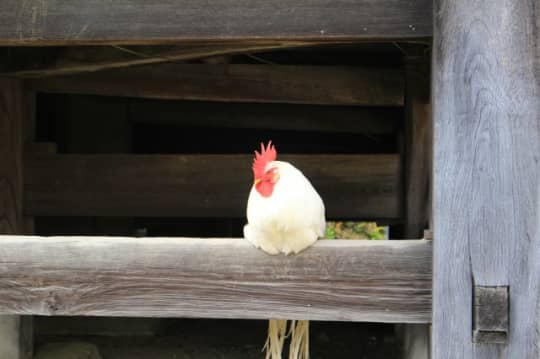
[(286, 117), (15, 331), (376, 281), (486, 61), (418, 132), (39, 62), (418, 138), (321, 85), (353, 186), (83, 22)]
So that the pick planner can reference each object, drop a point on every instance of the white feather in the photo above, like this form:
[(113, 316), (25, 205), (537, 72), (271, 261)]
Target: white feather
[(289, 220)]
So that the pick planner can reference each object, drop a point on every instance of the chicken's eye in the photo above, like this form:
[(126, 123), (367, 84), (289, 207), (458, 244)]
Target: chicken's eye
[(272, 174), (272, 171)]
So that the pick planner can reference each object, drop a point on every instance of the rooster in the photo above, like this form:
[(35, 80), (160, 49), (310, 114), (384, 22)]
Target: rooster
[(286, 215)]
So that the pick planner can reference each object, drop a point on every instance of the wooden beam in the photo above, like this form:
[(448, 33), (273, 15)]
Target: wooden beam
[(353, 186), (486, 172), (73, 22), (417, 175), (418, 142), (15, 331), (27, 62), (344, 280), (28, 119), (289, 117), (241, 83), (11, 155)]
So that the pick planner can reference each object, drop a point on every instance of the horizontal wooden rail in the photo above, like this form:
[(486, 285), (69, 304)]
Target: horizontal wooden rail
[(343, 280), (72, 22), (286, 117), (55, 61), (322, 85), (352, 186)]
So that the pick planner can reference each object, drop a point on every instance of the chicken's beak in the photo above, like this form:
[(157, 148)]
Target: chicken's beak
[(257, 181)]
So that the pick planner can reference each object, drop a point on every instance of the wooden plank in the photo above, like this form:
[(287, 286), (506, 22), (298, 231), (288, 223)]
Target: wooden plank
[(487, 172), (72, 22), (323, 85), (11, 154), (376, 281), (417, 175), (39, 62), (290, 117), (28, 118), (352, 186), (418, 134), (15, 334)]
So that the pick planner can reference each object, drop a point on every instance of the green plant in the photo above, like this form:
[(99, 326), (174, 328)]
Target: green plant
[(354, 230)]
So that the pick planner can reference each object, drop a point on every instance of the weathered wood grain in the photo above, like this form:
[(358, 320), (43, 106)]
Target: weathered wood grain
[(71, 22), (352, 186), (487, 171), (323, 85), (15, 340), (377, 281)]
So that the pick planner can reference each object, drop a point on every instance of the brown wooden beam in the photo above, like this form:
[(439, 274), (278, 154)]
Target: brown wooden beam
[(418, 133), (73, 22), (353, 186), (290, 117), (344, 280), (241, 83), (39, 62)]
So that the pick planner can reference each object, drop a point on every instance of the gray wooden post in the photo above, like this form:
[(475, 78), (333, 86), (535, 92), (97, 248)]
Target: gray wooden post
[(15, 331), (486, 103)]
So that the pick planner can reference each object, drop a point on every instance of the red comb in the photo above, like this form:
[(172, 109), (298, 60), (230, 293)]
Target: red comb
[(266, 155)]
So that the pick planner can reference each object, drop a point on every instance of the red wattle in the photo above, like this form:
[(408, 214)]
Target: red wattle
[(265, 188)]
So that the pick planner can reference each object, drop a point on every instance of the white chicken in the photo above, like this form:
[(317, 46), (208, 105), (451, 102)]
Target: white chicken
[(285, 215), (284, 212)]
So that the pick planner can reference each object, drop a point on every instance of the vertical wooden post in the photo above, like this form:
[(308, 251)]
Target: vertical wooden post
[(28, 117), (15, 332), (415, 338), (486, 102), (418, 141)]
